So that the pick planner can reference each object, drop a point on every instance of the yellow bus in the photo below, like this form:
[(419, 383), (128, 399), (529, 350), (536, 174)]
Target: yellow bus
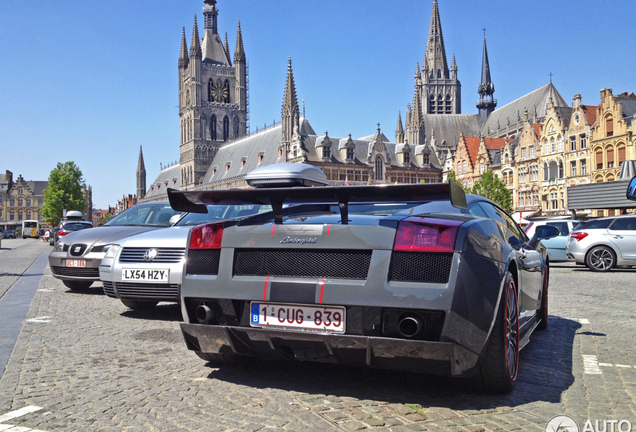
[(30, 228)]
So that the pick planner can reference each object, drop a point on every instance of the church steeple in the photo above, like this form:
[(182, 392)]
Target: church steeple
[(399, 130), (486, 89), (290, 112), (211, 14), (141, 176), (435, 58)]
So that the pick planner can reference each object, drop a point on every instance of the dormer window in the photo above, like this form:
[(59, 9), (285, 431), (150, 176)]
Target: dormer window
[(407, 158), (426, 159), (243, 159), (326, 152), (227, 166), (20, 191), (350, 154), (260, 157)]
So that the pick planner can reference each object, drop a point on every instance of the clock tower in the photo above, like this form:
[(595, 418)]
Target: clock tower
[(213, 106)]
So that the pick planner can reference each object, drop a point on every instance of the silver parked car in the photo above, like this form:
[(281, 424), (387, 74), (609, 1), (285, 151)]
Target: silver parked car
[(556, 245), (75, 258), (145, 269), (602, 244)]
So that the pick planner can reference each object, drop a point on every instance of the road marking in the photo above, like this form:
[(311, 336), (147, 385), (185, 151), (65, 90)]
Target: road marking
[(590, 365), (623, 366), (44, 319), (584, 321), (606, 364), (19, 413), (46, 290)]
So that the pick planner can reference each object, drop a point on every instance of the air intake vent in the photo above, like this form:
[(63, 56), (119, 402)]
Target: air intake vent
[(420, 267), (302, 263)]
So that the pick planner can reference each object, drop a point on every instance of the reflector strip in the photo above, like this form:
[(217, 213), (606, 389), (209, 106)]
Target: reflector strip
[(265, 289), (328, 229), (274, 229), (322, 287)]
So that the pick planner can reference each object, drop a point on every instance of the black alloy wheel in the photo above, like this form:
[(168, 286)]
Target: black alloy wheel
[(600, 259), (500, 362)]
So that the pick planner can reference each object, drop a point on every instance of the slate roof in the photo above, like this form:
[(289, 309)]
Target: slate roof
[(629, 107), (37, 187), (536, 100), (447, 127), (157, 189)]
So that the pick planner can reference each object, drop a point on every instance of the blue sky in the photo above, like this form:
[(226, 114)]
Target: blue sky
[(92, 81)]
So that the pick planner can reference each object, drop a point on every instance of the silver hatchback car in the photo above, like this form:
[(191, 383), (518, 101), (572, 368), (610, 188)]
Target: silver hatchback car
[(602, 244)]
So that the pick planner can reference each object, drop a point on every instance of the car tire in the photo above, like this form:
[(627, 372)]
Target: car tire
[(219, 358), (139, 305), (77, 285), (543, 310), (500, 362), (600, 259)]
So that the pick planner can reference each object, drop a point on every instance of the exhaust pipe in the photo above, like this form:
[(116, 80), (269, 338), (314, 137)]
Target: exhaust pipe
[(409, 326), (204, 314)]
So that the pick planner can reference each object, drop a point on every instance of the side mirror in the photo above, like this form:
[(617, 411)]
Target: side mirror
[(543, 232), (631, 190), (174, 219)]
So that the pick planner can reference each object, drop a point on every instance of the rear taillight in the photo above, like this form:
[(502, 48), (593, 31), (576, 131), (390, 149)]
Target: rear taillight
[(578, 236), (207, 236), (426, 235), (62, 233)]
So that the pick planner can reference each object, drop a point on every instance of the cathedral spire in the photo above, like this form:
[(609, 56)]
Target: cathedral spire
[(195, 48), (183, 58), (435, 59), (141, 176), (210, 15), (486, 88), (290, 100), (399, 130), (290, 112), (239, 51)]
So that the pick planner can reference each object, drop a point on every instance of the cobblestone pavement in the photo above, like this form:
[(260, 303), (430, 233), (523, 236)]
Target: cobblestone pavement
[(93, 365)]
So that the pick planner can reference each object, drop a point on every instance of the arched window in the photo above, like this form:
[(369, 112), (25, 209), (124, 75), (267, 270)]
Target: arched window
[(213, 127), (599, 159), (464, 167), (561, 169), (545, 171), (379, 169), (439, 73), (226, 128), (235, 127), (610, 157), (202, 127), (210, 91), (609, 127), (552, 146), (621, 155)]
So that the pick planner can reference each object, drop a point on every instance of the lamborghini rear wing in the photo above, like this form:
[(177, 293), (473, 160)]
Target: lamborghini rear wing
[(196, 201)]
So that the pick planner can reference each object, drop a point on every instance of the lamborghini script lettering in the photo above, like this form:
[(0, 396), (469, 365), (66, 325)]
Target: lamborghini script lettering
[(297, 240)]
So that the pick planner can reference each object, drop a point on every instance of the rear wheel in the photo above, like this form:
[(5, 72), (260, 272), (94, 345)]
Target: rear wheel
[(600, 259), (500, 362), (77, 285), (139, 305), (543, 310)]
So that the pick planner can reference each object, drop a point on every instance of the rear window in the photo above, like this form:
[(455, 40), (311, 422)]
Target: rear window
[(595, 224), (77, 226), (562, 227)]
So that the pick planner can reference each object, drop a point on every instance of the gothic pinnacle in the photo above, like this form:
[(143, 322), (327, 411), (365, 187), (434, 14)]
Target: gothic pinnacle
[(183, 58), (239, 51), (195, 48)]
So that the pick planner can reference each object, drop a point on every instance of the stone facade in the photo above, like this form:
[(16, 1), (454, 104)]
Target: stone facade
[(20, 200)]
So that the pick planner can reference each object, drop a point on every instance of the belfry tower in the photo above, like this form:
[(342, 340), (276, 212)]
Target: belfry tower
[(439, 88), (213, 104)]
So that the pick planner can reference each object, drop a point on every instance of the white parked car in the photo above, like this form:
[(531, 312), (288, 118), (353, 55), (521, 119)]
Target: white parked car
[(146, 269), (555, 245)]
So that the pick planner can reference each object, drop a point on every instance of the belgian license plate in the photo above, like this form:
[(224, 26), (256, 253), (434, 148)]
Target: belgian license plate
[(76, 263), (325, 318), (145, 275)]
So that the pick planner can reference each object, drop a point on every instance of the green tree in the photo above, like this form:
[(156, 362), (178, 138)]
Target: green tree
[(494, 189), (65, 191)]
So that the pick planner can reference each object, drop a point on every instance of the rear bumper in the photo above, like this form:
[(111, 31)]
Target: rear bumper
[(442, 358)]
